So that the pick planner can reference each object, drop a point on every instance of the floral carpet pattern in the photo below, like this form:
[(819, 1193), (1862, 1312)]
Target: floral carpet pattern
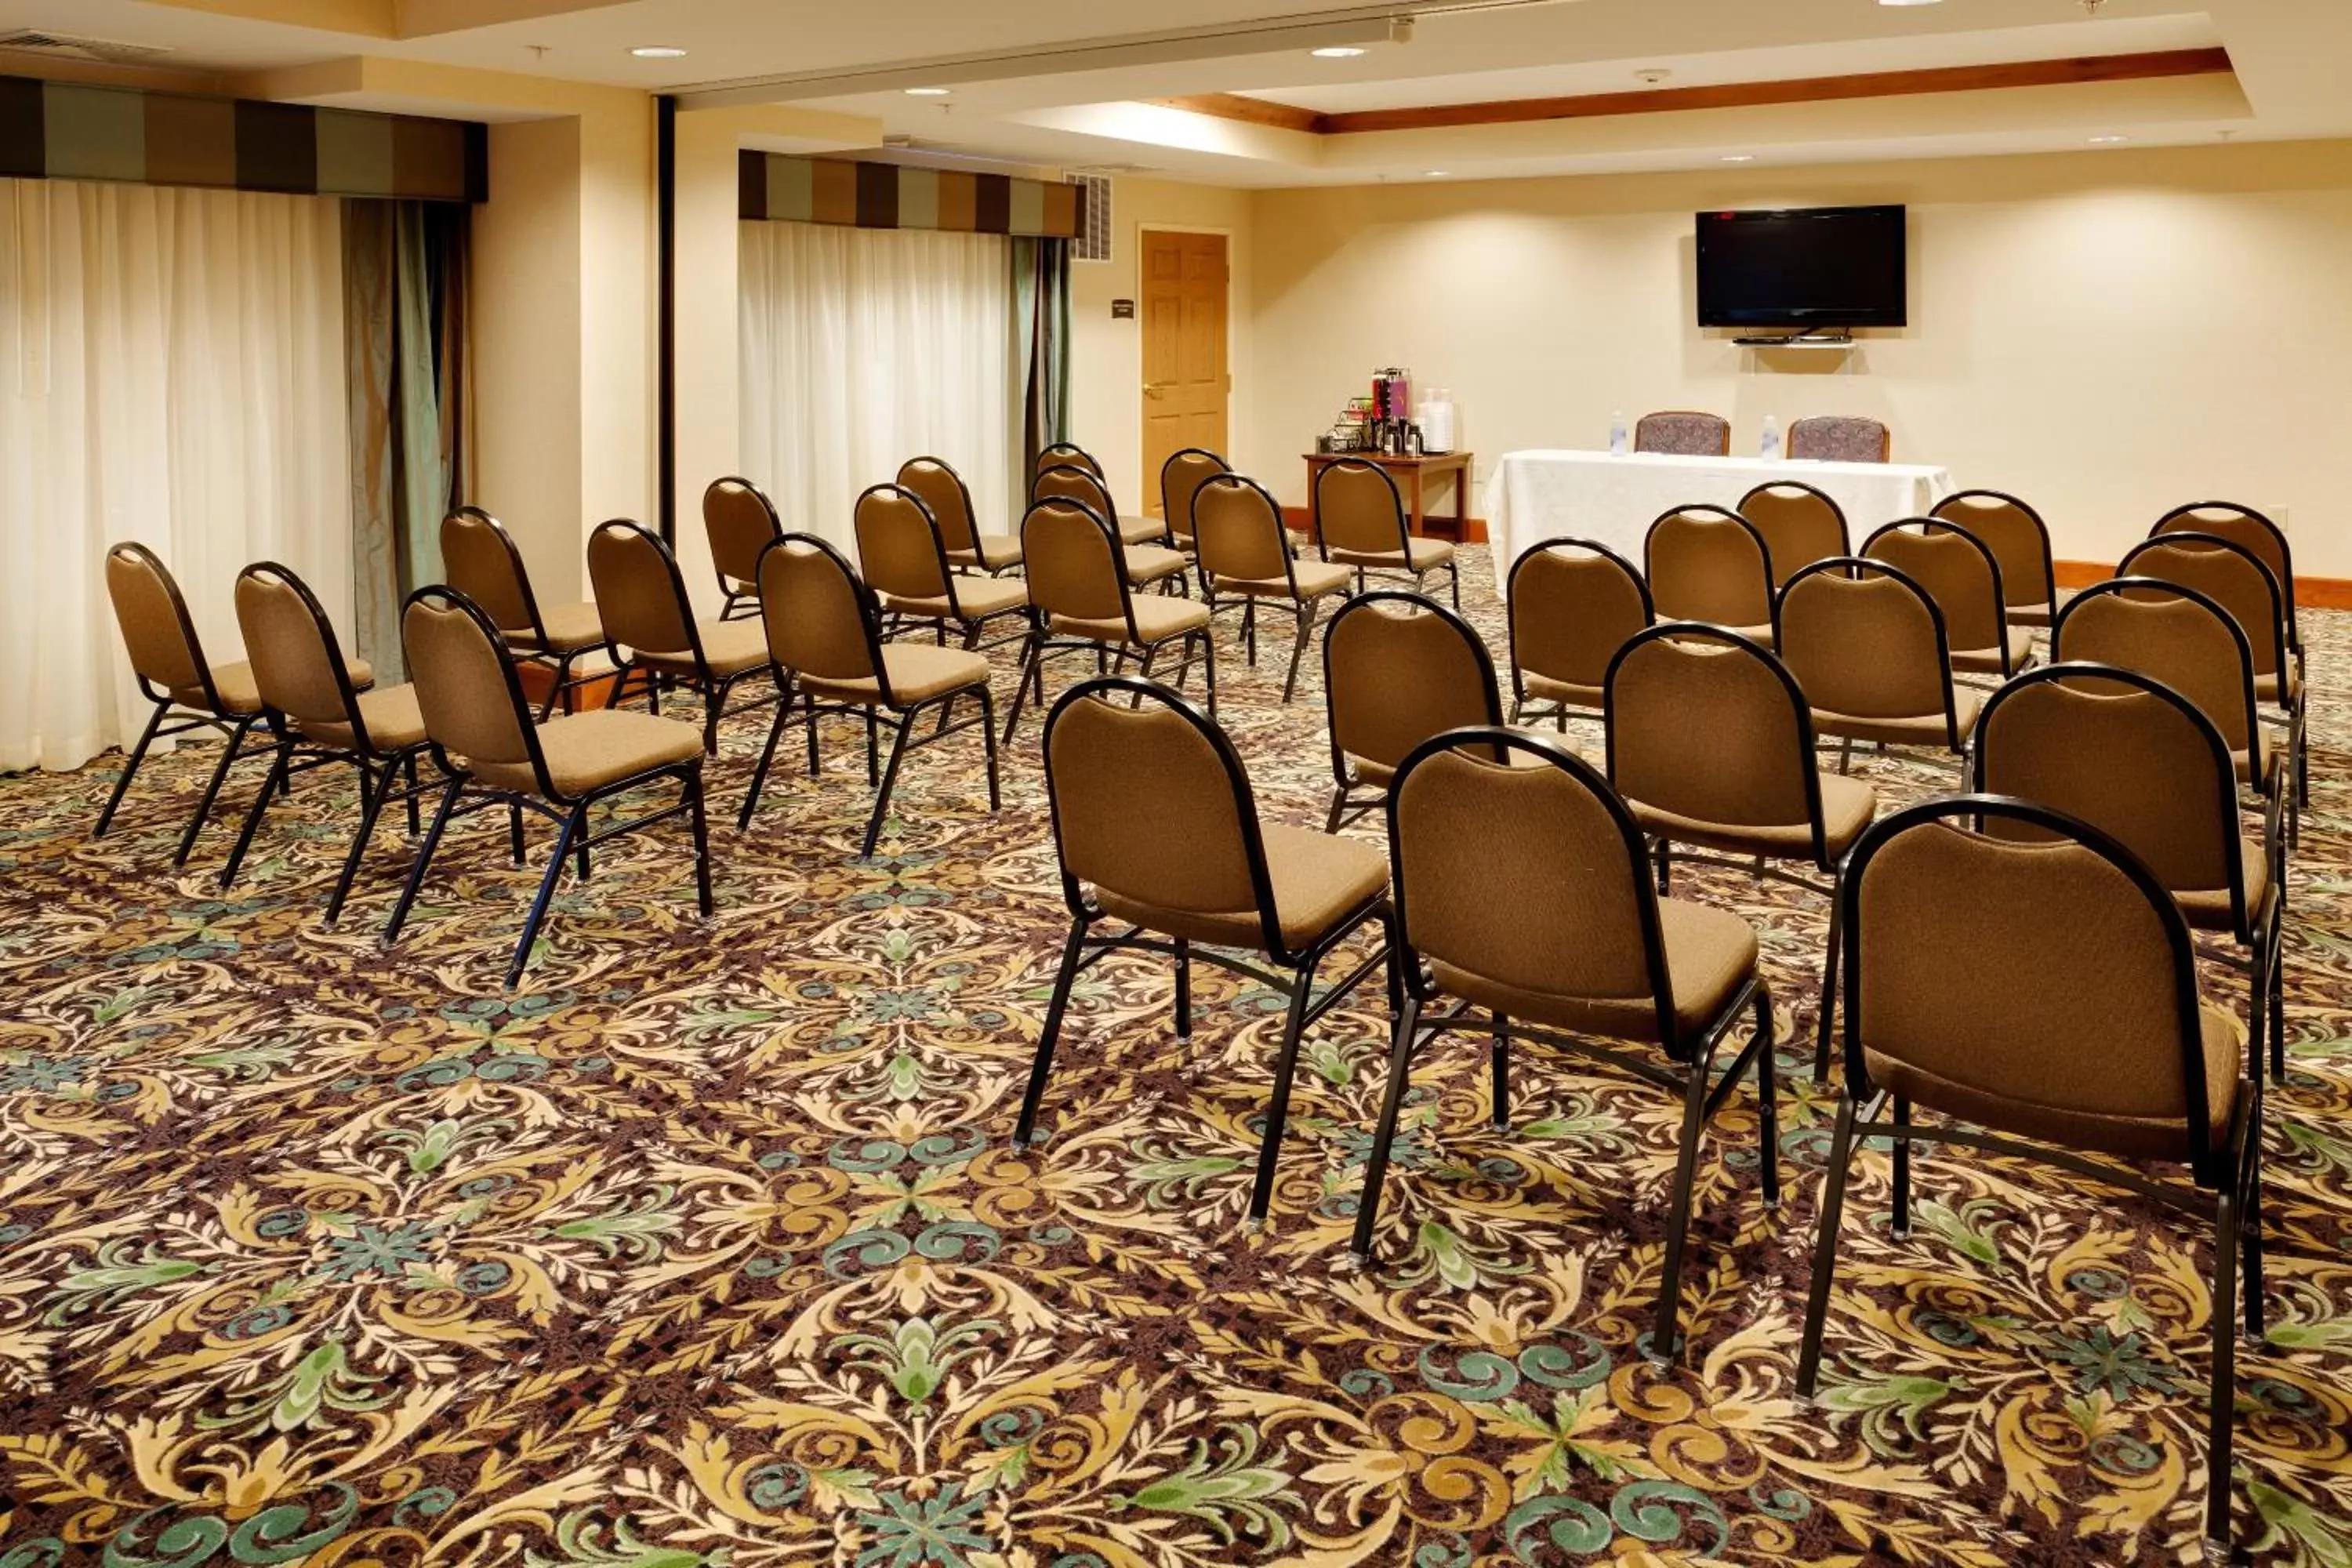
[(708, 1244)]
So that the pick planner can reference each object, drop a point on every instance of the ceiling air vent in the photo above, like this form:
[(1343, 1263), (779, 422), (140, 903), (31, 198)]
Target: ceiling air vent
[(1093, 241), (70, 47)]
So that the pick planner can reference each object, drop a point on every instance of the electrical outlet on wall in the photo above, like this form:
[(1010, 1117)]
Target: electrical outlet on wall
[(2278, 514)]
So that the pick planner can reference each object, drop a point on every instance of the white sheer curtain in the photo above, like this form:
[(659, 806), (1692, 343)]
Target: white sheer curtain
[(863, 348), (170, 371)]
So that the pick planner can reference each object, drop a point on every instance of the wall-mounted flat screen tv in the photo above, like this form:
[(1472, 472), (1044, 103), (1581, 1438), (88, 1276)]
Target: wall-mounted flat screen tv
[(1801, 268)]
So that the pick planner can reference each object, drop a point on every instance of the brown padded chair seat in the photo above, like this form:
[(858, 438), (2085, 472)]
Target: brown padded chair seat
[(240, 694), (2266, 686), (2129, 1137), (588, 751), (1987, 661), (2029, 616), (2250, 769), (1319, 878), (730, 647), (1141, 531), (1419, 555), (918, 673), (1710, 953), (1316, 578), (1372, 773), (1543, 687), (978, 596), (1157, 618), (394, 722), (2208, 909), (1927, 729), (1847, 806), (1002, 550), (1151, 562), (569, 630)]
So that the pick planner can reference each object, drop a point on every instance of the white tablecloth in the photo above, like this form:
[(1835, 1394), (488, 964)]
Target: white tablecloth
[(1535, 496)]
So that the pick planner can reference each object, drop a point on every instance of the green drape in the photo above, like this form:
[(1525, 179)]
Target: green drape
[(1041, 337)]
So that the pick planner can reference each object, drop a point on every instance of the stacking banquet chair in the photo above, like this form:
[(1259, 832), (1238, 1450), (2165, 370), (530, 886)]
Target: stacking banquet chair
[(1683, 433), (1245, 560), (824, 632), (2095, 1043), (2135, 758), (741, 521), (486, 745), (1960, 573), (1362, 523), (1397, 668), (1520, 894), (320, 718), (1840, 438), (2241, 582), (651, 633), (1149, 555), (1080, 600), (482, 563), (2019, 542), (1711, 746), (2242, 525), (190, 692), (908, 561), (1573, 603), (1157, 830), (1708, 564), (1180, 476), (1869, 650), (1066, 454), (943, 489), (1799, 525)]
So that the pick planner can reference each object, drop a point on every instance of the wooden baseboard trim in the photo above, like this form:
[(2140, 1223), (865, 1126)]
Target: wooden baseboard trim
[(1474, 529), (2310, 593)]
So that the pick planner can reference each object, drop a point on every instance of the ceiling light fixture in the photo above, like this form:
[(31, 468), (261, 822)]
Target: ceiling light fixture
[(1336, 52), (2109, 140), (1910, 1), (1739, 157), (1434, 173), (927, 93), (658, 52)]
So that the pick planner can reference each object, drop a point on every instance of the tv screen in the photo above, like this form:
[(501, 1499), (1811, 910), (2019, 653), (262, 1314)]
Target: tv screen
[(1805, 267)]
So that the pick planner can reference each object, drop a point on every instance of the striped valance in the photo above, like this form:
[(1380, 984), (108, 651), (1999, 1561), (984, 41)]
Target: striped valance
[(70, 131), (779, 187)]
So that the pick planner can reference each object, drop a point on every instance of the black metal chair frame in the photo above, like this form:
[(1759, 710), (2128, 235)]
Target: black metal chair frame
[(1706, 511), (972, 629), (1692, 1057), (558, 665), (1302, 610), (1191, 551), (1294, 977), (1346, 804), (1198, 646), (1955, 742), (2009, 667), (971, 519), (1404, 532), (1845, 529), (1560, 712), (715, 688), (2231, 1175), (2049, 567), (899, 716), (2286, 558), (1174, 582), (381, 772), (745, 599), (574, 839)]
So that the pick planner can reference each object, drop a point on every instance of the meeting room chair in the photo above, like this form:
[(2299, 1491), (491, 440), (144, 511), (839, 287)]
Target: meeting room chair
[(487, 746), (1151, 556), (1709, 563), (2019, 542), (190, 692), (1711, 746), (943, 489), (1360, 522), (1081, 601), (1800, 525), (2254, 531), (1868, 647), (1960, 574), (2136, 760), (905, 554), (1521, 893), (651, 633), (1398, 667), (1245, 560), (1157, 830), (1840, 438), (824, 632), (1683, 433), (1572, 604), (741, 521), (481, 561), (1181, 478), (320, 718), (1065, 454), (2097, 1044)]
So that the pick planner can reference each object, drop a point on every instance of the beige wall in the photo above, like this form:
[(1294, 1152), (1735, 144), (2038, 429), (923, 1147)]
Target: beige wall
[(2107, 334)]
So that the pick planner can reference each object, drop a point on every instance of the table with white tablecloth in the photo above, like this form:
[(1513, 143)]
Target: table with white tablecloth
[(1538, 495)]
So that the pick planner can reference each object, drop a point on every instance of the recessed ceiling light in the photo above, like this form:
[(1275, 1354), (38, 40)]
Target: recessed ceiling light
[(1336, 52), (658, 52), (927, 93), (2109, 140), (1739, 157), (1909, 2), (1434, 173)]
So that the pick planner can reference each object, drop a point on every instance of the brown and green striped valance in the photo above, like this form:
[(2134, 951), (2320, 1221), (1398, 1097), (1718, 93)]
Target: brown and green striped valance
[(779, 187), (69, 131)]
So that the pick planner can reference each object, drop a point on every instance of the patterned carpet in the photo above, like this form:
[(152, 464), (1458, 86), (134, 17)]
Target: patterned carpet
[(708, 1246)]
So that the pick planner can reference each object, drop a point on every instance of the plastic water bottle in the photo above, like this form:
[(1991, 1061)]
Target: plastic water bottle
[(1771, 449), (1617, 433)]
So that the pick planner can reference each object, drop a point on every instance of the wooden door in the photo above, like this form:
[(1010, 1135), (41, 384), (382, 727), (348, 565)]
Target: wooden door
[(1185, 383)]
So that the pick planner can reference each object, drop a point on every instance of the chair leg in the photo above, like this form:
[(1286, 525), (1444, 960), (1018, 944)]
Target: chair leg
[(767, 757), (2258, 1010), (700, 819), (1184, 989), (253, 816), (1453, 571), (1298, 646), (371, 806), (2222, 1398), (1209, 663), (130, 767), (229, 755), (425, 857), (1031, 658), (1376, 1165), (905, 722), (873, 751), (2250, 1237), (1768, 1108), (1249, 632), (1665, 1339), (1500, 1054), (988, 739), (1901, 1227), (1277, 1112), (1824, 1023), (574, 826), (1808, 1356), (1339, 805), (514, 833), (2278, 993), (1024, 1130)]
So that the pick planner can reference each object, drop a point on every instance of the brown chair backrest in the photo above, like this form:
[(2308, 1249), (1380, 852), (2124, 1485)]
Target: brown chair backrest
[(1067, 481), (1238, 530), (1865, 640), (1959, 573), (1398, 669), (481, 562), (1840, 438), (296, 666), (943, 490), (742, 522), (1684, 433), (1067, 454), (1180, 477), (1705, 724), (820, 620), (640, 597), (900, 544), (1569, 612), (2017, 538), (157, 631), (2226, 573), (472, 704), (1075, 564), (2091, 1035), (2176, 634), (2241, 525), (1359, 509), (1799, 523), (1706, 564)]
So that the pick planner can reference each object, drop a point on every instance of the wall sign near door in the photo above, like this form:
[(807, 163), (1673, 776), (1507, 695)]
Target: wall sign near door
[(1122, 310)]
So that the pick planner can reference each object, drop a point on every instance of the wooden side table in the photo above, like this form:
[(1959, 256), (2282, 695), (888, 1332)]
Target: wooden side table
[(1413, 475)]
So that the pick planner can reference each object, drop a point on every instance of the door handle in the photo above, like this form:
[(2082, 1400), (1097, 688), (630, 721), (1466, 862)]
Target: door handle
[(1157, 388)]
